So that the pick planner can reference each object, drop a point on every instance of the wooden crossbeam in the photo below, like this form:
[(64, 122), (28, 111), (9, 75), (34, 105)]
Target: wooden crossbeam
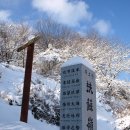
[(32, 41)]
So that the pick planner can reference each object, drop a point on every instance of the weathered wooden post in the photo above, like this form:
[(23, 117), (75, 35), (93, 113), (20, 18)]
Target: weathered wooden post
[(27, 77), (78, 96)]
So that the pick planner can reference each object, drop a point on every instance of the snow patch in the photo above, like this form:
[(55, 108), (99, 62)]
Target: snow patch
[(15, 126), (10, 115), (78, 60)]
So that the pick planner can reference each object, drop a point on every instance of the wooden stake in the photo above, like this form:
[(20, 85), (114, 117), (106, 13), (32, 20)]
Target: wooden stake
[(27, 82)]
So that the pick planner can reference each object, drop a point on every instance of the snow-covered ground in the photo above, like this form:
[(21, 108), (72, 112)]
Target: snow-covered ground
[(11, 76), (9, 120)]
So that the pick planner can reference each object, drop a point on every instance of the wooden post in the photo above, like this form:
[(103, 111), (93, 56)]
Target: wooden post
[(27, 82), (27, 78)]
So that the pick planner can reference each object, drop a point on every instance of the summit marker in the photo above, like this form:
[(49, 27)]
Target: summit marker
[(78, 95)]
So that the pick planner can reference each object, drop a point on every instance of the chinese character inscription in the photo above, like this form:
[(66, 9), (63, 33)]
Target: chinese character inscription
[(78, 98)]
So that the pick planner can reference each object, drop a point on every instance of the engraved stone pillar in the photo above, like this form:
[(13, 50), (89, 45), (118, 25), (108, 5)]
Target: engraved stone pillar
[(78, 96)]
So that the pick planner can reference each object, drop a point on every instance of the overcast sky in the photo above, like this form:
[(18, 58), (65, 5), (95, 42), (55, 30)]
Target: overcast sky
[(108, 17)]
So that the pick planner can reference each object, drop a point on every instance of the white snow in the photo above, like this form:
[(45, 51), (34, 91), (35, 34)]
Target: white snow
[(9, 115), (9, 120), (78, 60), (48, 55), (123, 122), (16, 126), (31, 37)]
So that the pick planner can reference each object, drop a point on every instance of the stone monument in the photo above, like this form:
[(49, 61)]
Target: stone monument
[(78, 96)]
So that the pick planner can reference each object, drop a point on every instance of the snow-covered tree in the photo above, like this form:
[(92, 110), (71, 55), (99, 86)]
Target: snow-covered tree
[(109, 59), (11, 37), (53, 33)]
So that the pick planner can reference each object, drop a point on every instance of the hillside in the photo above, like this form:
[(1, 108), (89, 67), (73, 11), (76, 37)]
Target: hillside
[(12, 76)]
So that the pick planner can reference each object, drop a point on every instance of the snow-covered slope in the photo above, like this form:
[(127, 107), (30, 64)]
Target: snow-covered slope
[(9, 120), (9, 115)]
